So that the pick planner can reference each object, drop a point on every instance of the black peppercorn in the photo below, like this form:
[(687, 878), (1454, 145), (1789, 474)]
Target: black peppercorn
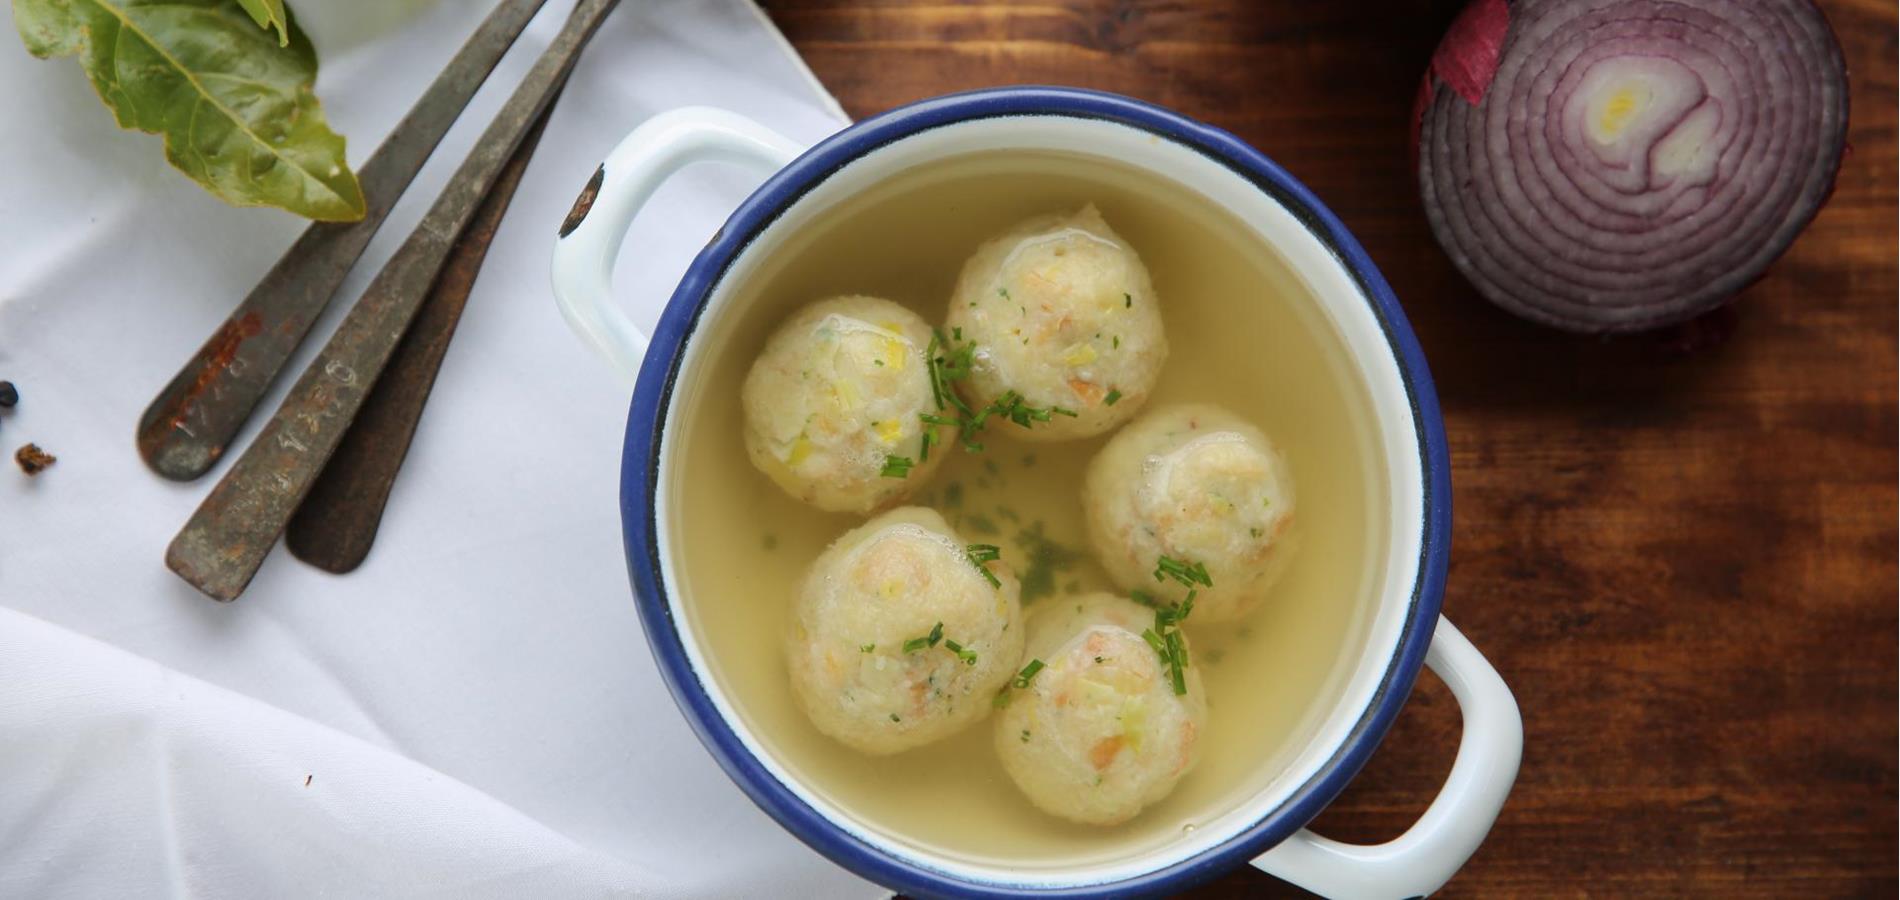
[(9, 394)]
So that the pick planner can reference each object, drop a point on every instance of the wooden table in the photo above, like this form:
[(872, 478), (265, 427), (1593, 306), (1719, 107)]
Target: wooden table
[(1683, 564)]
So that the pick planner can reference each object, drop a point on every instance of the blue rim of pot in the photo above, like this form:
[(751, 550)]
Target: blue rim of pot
[(640, 482)]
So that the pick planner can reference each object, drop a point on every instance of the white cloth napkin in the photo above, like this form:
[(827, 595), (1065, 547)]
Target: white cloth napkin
[(474, 711)]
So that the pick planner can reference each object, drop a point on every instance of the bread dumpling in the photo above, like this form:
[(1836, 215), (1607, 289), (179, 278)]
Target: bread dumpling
[(832, 405), (1098, 733), (1200, 485), (899, 636), (1061, 312)]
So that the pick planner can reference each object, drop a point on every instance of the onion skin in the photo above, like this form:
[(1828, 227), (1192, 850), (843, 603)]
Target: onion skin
[(1620, 165)]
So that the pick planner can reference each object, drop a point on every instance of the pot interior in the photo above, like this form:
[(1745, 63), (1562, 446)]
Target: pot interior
[(1261, 318)]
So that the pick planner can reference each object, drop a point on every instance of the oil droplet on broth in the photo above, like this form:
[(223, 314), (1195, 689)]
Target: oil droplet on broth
[(1273, 360)]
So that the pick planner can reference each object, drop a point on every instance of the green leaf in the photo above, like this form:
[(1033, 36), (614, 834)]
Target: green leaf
[(236, 110), (270, 14)]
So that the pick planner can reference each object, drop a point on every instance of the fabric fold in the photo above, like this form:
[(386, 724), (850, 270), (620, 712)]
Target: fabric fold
[(474, 711)]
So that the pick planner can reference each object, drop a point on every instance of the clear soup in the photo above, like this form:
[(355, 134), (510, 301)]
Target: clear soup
[(1243, 333)]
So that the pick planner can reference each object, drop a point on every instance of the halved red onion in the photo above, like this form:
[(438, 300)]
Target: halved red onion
[(1616, 165)]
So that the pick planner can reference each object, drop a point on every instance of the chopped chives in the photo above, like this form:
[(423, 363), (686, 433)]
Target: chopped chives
[(963, 653), (897, 467), (1165, 637), (1021, 680), (1028, 673), (1175, 655), (980, 554), (1189, 574), (930, 640)]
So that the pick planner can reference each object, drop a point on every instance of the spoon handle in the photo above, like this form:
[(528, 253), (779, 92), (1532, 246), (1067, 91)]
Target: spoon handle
[(190, 423), (337, 522), (221, 547)]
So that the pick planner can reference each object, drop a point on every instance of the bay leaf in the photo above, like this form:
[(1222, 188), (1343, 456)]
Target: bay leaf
[(237, 111), (270, 14)]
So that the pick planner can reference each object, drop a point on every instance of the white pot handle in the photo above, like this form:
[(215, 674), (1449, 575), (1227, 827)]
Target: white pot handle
[(590, 238), (1422, 859)]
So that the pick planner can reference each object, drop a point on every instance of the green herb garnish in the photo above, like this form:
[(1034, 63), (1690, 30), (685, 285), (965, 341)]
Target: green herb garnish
[(1189, 574), (1022, 680), (897, 467), (931, 436), (1114, 394), (950, 359), (985, 553), (930, 640), (1165, 637), (1046, 558), (1028, 673), (866, 648), (1128, 301), (967, 655), (1011, 406), (948, 362)]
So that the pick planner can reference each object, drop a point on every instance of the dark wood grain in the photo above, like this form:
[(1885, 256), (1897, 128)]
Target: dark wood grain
[(1684, 564)]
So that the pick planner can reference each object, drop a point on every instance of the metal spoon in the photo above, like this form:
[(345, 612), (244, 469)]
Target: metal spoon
[(337, 521), (190, 423), (220, 549)]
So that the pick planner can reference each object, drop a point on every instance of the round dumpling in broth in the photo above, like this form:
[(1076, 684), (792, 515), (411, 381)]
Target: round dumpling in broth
[(1062, 313), (1098, 733), (1198, 484), (835, 399), (898, 637)]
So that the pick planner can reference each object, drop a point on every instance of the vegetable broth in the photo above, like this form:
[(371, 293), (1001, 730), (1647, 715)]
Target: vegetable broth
[(1241, 334)]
